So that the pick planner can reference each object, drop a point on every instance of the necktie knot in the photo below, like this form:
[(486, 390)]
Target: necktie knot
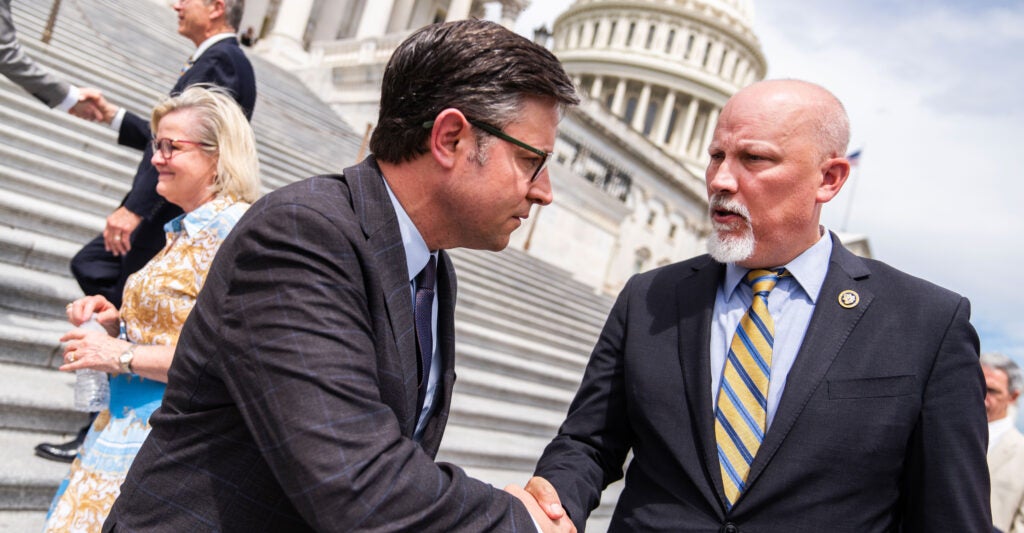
[(188, 64), (427, 276), (762, 281)]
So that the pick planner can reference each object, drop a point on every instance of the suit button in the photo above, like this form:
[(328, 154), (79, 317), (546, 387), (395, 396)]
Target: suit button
[(729, 527)]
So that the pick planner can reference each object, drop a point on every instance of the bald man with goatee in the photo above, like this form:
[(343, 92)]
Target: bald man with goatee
[(779, 383)]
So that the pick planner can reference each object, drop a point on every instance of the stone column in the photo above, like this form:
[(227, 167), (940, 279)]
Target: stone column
[(621, 32), (284, 44), (374, 21), (587, 36), (688, 122), (596, 88), (400, 15), (640, 115), (601, 36), (330, 19), (510, 10), (458, 10), (709, 132), (666, 117), (700, 44), (292, 17), (620, 98)]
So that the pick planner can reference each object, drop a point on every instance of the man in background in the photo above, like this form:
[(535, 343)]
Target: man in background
[(1003, 381)]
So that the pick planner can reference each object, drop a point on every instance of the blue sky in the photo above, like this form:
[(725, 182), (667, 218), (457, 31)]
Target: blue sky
[(933, 90)]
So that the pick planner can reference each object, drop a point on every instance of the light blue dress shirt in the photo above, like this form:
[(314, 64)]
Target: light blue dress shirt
[(416, 256), (791, 305)]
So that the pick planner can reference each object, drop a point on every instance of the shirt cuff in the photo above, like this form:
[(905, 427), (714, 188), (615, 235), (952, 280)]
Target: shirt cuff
[(118, 118), (70, 100), (536, 525)]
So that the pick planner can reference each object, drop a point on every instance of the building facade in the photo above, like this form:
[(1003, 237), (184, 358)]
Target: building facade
[(629, 162)]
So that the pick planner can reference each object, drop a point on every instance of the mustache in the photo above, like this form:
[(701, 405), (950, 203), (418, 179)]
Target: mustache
[(720, 202)]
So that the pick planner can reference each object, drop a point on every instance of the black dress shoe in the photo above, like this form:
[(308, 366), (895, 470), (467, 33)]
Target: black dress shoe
[(64, 453)]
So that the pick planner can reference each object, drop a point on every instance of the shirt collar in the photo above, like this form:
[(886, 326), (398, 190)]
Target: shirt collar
[(416, 252), (808, 268), (194, 221), (210, 41)]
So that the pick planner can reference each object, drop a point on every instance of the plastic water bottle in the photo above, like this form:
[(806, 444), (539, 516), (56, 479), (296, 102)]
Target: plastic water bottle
[(92, 387)]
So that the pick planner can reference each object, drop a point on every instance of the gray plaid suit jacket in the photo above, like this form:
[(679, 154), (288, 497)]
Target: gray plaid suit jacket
[(290, 404)]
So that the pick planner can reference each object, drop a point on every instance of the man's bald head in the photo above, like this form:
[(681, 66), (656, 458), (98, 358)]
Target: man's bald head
[(804, 104)]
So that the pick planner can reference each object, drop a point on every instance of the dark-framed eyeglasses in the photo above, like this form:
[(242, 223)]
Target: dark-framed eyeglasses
[(167, 149), (544, 156)]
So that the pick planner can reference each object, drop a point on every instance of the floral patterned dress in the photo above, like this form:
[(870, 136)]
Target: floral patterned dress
[(157, 300)]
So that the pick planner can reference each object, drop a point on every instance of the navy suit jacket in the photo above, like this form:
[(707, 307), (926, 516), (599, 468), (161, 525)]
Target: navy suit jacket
[(291, 400), (223, 64), (881, 426)]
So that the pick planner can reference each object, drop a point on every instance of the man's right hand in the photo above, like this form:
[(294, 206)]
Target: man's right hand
[(543, 504), (118, 233), (95, 102)]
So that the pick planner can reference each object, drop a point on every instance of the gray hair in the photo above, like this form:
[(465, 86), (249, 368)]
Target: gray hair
[(998, 361), (232, 12)]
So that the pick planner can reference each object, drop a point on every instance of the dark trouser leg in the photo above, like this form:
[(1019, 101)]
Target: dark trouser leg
[(101, 272), (97, 271)]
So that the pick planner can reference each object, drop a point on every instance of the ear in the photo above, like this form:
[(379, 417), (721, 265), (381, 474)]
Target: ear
[(217, 10), (834, 172), (449, 138)]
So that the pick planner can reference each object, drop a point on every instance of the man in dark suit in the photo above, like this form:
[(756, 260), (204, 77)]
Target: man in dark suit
[(303, 394), (135, 231), (847, 397)]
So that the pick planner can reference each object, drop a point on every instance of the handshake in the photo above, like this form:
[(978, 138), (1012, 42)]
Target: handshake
[(93, 106), (541, 500)]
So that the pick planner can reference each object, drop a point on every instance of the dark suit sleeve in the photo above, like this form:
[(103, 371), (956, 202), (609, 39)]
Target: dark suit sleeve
[(591, 446), (947, 482), (299, 356)]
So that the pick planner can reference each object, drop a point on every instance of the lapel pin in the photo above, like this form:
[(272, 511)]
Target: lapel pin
[(849, 299)]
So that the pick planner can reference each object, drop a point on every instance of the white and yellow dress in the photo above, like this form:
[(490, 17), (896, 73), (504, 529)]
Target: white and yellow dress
[(157, 300)]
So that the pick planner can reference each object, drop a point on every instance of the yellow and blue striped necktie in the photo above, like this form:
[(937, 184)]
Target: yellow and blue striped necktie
[(742, 410)]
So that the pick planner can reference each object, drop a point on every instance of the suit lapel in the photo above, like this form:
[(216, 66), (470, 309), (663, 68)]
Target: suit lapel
[(372, 204), (830, 326), (693, 295), (186, 78)]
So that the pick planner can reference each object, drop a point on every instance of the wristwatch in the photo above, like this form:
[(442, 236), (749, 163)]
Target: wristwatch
[(126, 359)]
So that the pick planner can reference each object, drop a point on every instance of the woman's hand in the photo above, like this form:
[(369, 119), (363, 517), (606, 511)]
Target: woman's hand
[(92, 349), (82, 309)]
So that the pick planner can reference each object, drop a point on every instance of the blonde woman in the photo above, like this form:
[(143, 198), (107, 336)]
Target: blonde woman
[(205, 153)]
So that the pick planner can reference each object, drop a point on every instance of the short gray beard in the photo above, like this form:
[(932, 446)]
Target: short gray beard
[(730, 249)]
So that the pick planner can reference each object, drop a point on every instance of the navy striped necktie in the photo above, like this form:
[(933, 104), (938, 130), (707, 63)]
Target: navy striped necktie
[(424, 330)]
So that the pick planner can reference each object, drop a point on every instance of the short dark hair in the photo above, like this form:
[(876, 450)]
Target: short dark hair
[(478, 67)]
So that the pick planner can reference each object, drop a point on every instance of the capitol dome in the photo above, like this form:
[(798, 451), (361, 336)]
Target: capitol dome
[(663, 67)]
